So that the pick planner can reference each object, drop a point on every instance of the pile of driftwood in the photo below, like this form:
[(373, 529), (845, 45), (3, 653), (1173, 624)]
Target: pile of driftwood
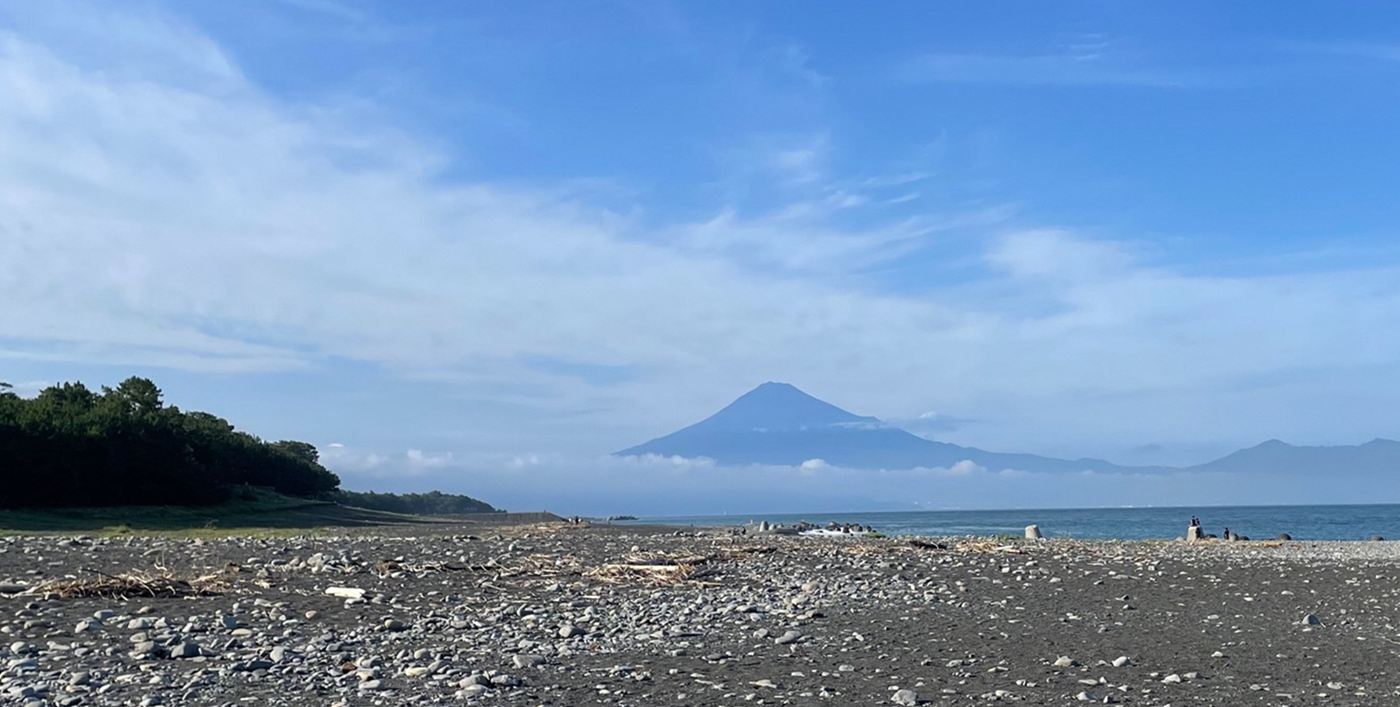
[(536, 565), (988, 546), (656, 569), (549, 566), (140, 584)]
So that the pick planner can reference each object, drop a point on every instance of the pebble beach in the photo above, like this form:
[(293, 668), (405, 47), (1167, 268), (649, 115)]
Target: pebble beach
[(563, 614)]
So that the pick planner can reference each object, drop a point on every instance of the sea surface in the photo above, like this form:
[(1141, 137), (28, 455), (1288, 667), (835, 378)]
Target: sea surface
[(1256, 522)]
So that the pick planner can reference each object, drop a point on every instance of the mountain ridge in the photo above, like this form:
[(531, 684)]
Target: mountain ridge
[(780, 425), (1376, 456)]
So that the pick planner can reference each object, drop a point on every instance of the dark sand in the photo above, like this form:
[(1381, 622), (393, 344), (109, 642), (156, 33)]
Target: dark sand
[(762, 620)]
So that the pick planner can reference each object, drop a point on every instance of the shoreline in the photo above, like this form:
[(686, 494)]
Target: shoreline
[(1331, 522)]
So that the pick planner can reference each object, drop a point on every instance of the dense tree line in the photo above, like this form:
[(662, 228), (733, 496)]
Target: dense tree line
[(428, 504), (70, 446)]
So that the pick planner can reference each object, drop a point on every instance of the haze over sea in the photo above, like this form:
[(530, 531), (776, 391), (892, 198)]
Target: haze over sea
[(1350, 522)]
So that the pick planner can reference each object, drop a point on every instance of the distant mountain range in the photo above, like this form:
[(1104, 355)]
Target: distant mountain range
[(777, 424)]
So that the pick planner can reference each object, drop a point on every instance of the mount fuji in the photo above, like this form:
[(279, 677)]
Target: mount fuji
[(777, 424)]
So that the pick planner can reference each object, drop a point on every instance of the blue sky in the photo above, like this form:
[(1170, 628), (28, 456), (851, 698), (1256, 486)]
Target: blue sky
[(480, 246)]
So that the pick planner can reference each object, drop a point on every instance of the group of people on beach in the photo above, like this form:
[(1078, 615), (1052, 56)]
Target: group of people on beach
[(1226, 533)]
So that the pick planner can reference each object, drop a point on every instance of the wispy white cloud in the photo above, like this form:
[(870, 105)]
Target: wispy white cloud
[(966, 468), (129, 48), (347, 11), (27, 389), (1058, 255), (795, 60), (930, 424), (658, 461), (893, 180), (368, 464), (417, 458), (1058, 69), (340, 458), (521, 461)]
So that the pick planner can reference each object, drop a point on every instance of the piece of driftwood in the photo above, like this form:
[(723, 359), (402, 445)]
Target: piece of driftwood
[(156, 584)]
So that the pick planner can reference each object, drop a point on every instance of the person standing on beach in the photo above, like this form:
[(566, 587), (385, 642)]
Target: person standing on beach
[(1193, 532)]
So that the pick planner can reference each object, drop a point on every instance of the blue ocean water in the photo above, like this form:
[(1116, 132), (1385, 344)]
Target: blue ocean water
[(1358, 522)]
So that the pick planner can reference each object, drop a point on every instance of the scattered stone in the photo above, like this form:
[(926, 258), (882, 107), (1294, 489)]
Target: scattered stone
[(473, 690), (188, 649), (788, 637), (527, 660), (908, 698)]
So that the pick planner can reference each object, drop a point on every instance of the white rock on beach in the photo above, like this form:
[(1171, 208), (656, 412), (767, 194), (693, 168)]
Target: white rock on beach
[(905, 697)]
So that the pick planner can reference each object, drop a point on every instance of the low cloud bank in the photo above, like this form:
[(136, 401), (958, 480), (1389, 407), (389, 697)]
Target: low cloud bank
[(654, 485), (380, 469)]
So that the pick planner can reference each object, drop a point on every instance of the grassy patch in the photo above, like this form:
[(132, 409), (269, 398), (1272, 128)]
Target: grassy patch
[(255, 513)]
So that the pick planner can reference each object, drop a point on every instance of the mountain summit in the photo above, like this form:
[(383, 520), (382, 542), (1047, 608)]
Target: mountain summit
[(778, 424), (779, 406)]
